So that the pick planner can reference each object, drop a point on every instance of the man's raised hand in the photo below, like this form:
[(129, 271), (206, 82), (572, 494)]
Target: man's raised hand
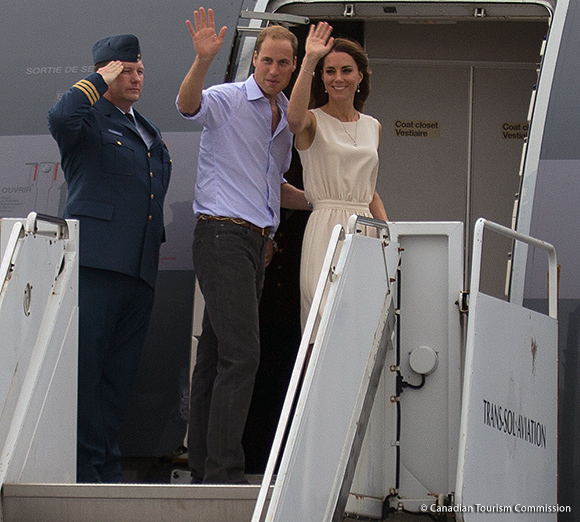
[(205, 40)]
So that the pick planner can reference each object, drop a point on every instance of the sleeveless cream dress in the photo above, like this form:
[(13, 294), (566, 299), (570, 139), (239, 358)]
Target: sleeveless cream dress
[(339, 180)]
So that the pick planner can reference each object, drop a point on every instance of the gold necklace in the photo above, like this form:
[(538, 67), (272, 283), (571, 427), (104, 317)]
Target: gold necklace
[(354, 142)]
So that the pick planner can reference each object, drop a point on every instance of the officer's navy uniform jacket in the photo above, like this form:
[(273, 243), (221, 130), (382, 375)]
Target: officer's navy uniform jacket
[(116, 188), (116, 185)]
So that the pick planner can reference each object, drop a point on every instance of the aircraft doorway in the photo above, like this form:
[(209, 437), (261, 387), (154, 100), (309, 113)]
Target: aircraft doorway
[(464, 86), (453, 100)]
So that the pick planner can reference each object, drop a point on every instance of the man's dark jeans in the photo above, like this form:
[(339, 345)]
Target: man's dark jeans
[(229, 264)]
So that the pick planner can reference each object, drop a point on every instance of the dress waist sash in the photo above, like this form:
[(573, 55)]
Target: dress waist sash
[(338, 204)]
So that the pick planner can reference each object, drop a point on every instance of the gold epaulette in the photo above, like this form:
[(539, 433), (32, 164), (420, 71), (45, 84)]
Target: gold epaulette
[(89, 89)]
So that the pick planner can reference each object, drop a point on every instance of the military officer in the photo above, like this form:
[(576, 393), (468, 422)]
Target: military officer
[(117, 169)]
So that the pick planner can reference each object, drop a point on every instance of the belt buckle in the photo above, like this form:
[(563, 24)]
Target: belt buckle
[(265, 232)]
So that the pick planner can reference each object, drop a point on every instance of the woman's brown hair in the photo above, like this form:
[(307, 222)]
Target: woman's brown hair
[(318, 96)]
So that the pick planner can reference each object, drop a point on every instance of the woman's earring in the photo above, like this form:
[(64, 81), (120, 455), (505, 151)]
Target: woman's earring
[(358, 88)]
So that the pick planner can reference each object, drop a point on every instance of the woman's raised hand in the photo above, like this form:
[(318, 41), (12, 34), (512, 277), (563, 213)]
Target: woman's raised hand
[(319, 41)]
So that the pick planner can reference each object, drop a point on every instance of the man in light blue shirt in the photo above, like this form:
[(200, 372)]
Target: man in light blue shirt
[(241, 162), (245, 150)]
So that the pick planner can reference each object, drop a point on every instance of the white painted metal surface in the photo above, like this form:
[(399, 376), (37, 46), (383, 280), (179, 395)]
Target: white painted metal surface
[(127, 503), (296, 377), (430, 283), (409, 453), (341, 379), (508, 446), (38, 347), (531, 161)]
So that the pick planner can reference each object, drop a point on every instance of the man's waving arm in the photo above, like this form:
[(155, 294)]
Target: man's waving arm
[(207, 44)]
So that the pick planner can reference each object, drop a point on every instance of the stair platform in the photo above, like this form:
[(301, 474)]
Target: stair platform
[(128, 503)]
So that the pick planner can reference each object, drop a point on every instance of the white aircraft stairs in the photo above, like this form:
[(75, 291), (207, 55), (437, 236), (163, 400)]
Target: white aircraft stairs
[(372, 426)]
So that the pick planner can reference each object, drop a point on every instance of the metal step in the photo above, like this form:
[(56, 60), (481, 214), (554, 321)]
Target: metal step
[(127, 503)]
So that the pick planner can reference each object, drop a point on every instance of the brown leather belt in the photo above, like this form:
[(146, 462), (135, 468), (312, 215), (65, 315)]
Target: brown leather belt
[(236, 221)]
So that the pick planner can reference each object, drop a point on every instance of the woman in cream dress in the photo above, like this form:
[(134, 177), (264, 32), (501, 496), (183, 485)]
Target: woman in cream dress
[(338, 145)]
